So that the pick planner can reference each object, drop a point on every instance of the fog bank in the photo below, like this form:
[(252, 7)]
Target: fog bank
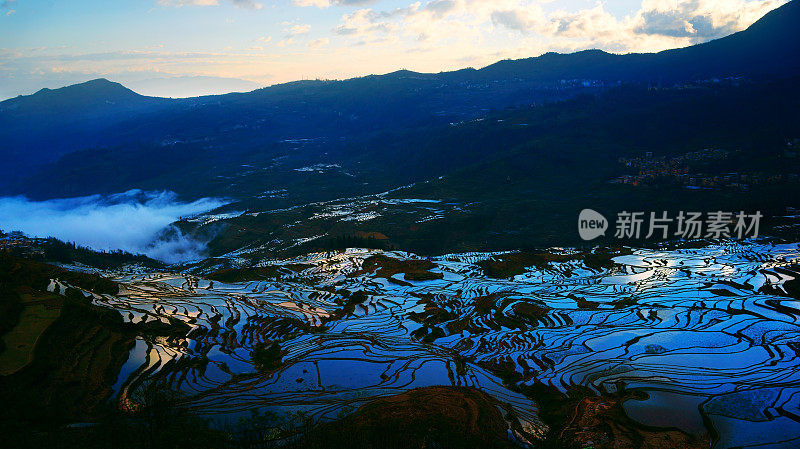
[(134, 221)]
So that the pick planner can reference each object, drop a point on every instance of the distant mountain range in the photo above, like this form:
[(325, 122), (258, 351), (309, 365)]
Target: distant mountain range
[(75, 134), (190, 86)]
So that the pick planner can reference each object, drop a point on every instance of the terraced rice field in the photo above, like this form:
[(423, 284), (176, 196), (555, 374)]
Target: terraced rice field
[(710, 334)]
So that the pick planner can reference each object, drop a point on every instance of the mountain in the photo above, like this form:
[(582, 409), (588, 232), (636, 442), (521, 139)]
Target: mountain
[(767, 49), (519, 178), (78, 98), (297, 125), (38, 128)]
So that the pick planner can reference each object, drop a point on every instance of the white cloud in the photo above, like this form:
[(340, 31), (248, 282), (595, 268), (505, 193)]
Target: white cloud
[(317, 3), (244, 4), (178, 3), (8, 5), (317, 43), (519, 19), (327, 3), (133, 221), (655, 26), (699, 19), (299, 29)]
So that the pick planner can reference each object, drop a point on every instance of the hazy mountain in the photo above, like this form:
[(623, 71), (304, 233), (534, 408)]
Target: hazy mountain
[(190, 86)]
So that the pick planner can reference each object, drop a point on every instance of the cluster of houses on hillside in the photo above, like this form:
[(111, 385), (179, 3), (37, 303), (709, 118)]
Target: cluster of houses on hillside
[(649, 170), (18, 244)]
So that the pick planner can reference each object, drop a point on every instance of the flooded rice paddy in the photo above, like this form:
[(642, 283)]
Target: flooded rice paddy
[(710, 334)]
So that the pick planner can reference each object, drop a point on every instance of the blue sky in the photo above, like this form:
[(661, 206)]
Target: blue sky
[(187, 47)]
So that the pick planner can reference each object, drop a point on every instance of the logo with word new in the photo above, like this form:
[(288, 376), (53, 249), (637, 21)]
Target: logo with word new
[(591, 224), (717, 225)]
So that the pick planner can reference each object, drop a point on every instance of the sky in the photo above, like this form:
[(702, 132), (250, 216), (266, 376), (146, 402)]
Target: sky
[(192, 47)]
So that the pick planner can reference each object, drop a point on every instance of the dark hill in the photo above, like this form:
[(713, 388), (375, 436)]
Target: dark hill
[(340, 117), (89, 95)]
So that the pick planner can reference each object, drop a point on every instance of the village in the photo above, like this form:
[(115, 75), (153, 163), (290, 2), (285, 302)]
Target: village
[(684, 170)]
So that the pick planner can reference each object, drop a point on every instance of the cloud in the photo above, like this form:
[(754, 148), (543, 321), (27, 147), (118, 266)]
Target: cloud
[(593, 25), (656, 25), (317, 43), (299, 29), (134, 221), (327, 3), (518, 20), (179, 3), (244, 4), (317, 3), (699, 19), (440, 7), (8, 6), (171, 245), (247, 4)]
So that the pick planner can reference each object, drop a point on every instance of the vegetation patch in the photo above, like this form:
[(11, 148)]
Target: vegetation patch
[(54, 250), (10, 309), (509, 265), (63, 354), (433, 313), (255, 273), (349, 302), (581, 418), (359, 239), (583, 303), (530, 310), (39, 312), (267, 356), (386, 267), (440, 417), (75, 363), (16, 271)]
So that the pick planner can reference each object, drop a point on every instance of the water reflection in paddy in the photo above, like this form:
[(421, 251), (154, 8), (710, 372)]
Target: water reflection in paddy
[(709, 333)]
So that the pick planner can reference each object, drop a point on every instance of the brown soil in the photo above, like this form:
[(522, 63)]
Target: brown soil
[(443, 417)]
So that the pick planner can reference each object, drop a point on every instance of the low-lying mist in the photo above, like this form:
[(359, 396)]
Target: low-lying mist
[(134, 221)]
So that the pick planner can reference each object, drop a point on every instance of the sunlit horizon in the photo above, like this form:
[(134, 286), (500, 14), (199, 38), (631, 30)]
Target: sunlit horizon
[(180, 48)]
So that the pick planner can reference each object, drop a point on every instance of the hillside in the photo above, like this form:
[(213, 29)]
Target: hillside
[(767, 49), (39, 128), (329, 121), (519, 178)]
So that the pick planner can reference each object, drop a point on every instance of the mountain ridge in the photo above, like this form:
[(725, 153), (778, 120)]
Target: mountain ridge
[(783, 19), (313, 120), (86, 93)]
